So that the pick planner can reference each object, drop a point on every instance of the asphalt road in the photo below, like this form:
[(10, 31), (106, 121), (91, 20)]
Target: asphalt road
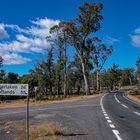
[(108, 117)]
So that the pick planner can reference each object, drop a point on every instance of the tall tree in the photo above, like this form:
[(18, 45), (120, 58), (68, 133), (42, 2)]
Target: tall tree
[(100, 54), (138, 70), (80, 30), (127, 77), (58, 42), (50, 69), (114, 76), (1, 61), (61, 43), (62, 26)]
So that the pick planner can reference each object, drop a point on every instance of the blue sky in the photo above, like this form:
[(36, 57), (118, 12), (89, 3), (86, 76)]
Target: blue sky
[(24, 23)]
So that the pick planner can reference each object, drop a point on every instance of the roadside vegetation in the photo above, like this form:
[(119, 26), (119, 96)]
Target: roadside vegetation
[(74, 63), (41, 131)]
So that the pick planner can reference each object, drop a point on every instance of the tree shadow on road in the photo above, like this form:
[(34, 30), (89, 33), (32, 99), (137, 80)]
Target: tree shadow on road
[(70, 134)]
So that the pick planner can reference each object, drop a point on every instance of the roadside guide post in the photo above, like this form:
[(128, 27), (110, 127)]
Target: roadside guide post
[(17, 90)]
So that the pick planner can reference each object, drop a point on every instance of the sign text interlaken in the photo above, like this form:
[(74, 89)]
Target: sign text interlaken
[(14, 89)]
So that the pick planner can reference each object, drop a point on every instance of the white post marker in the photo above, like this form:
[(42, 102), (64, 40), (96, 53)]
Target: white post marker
[(17, 90)]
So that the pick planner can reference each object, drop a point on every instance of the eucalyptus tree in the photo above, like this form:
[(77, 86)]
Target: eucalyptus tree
[(61, 44), (80, 30), (44, 73), (57, 41), (100, 53), (114, 76), (1, 61), (127, 77), (50, 69), (75, 77), (138, 70)]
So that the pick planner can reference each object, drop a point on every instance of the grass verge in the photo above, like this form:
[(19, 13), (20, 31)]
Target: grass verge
[(134, 95), (41, 131)]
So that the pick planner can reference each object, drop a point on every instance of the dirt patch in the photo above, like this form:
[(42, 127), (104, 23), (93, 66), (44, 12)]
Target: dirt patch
[(22, 103), (39, 130), (135, 98)]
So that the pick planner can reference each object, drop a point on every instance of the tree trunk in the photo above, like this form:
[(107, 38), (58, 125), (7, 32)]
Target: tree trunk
[(87, 90), (98, 80), (78, 89), (65, 69), (130, 81), (65, 84), (138, 76), (58, 85)]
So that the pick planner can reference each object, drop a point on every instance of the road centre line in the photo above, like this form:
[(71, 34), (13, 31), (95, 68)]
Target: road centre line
[(119, 101), (116, 98), (137, 113), (124, 106), (112, 126)]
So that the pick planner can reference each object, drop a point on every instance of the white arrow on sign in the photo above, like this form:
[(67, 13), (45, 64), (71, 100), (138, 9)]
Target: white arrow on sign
[(14, 89)]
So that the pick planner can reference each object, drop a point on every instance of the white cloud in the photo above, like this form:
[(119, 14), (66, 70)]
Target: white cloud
[(110, 40), (45, 22), (3, 32), (135, 40), (14, 59), (135, 37), (137, 31), (30, 39)]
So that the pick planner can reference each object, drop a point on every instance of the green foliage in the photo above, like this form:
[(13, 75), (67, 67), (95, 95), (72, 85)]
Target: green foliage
[(111, 77), (138, 70), (32, 81), (1, 61), (127, 77), (12, 78)]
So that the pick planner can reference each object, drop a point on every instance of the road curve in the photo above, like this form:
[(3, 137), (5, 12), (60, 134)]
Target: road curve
[(124, 114), (108, 117)]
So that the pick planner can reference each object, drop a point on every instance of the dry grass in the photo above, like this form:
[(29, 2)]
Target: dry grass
[(41, 131), (134, 94), (22, 103), (135, 98)]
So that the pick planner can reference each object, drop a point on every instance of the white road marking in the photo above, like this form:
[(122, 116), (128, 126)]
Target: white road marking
[(137, 113), (116, 98), (109, 121), (107, 117), (124, 106), (101, 102), (112, 125), (116, 132), (104, 112)]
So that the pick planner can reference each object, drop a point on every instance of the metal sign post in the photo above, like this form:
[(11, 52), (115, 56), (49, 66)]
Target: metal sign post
[(27, 118), (17, 90)]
